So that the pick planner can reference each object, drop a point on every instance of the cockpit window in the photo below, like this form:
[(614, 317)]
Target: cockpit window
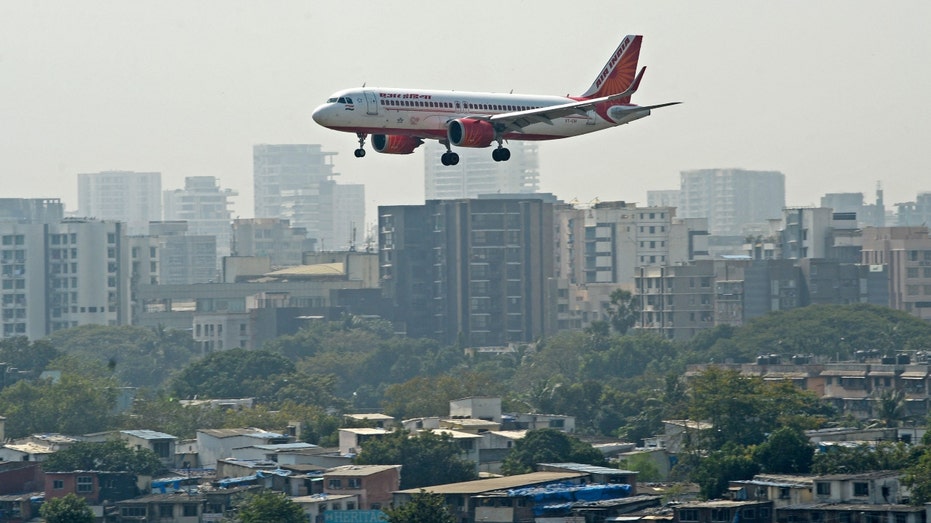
[(330, 100), (343, 100)]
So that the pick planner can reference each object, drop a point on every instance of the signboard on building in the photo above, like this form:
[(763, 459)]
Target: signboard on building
[(354, 516)]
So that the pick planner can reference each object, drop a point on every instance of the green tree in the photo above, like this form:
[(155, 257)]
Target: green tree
[(67, 509), (549, 446), (426, 458), (785, 451), (917, 478), (424, 507), (136, 356), (26, 356), (623, 311), (743, 409), (730, 463), (71, 405), (111, 455), (885, 455), (233, 373), (267, 506), (892, 408)]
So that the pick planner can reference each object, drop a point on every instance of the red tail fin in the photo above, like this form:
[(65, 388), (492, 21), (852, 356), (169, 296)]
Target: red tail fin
[(620, 70)]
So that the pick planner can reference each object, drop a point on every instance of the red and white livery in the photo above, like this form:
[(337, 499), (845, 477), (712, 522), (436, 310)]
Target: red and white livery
[(399, 120)]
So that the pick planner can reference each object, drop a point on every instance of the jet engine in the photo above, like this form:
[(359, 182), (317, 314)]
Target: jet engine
[(395, 143), (469, 132)]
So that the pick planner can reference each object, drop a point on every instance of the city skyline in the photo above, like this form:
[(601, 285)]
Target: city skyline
[(815, 91)]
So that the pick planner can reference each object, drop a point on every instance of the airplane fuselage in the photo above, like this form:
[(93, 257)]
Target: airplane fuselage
[(426, 113)]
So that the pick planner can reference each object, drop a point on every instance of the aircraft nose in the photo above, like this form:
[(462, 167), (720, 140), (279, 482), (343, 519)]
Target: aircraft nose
[(318, 115)]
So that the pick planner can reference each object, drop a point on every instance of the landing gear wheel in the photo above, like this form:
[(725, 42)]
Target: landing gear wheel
[(449, 158), (360, 152), (501, 154)]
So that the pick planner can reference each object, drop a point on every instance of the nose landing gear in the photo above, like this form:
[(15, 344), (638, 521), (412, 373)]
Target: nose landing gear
[(360, 152)]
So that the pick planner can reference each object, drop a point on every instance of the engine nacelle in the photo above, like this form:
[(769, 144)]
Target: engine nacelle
[(469, 132), (395, 143)]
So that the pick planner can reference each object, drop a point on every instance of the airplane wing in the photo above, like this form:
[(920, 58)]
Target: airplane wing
[(515, 121)]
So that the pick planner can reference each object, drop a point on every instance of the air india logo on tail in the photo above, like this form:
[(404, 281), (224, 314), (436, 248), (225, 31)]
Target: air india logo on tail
[(619, 71)]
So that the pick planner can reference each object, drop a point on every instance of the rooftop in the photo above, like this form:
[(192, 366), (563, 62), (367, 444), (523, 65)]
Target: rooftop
[(488, 485)]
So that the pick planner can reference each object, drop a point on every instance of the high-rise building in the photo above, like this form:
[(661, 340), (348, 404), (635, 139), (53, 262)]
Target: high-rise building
[(134, 198), (906, 253), (184, 258), (60, 275), (294, 182), (731, 199), (31, 210), (342, 216), (599, 248), (282, 244), (206, 209), (477, 173), (475, 271)]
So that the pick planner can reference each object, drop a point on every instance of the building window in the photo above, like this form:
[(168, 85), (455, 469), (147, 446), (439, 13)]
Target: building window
[(861, 489), (557, 423), (189, 510), (335, 483), (58, 484), (689, 514), (720, 514), (166, 511), (822, 488), (132, 512), (85, 484), (354, 483)]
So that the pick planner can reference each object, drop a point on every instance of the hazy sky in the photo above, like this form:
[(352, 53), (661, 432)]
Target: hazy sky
[(832, 93)]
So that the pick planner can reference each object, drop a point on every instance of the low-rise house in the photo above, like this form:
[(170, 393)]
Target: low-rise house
[(469, 502), (374, 484), (27, 451), (533, 421), (97, 488), (19, 508), (269, 452), (415, 424), (218, 504), (351, 440), (467, 442), (782, 489), (852, 513), (724, 511), (596, 474), (17, 477), (494, 447), (216, 444), (163, 445), (382, 421), (317, 505), (873, 488), (160, 508)]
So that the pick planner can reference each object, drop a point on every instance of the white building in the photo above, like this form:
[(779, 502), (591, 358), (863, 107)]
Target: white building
[(477, 173), (295, 182), (731, 198), (206, 209), (131, 197)]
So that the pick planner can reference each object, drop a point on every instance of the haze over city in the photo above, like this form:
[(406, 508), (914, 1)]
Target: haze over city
[(830, 93)]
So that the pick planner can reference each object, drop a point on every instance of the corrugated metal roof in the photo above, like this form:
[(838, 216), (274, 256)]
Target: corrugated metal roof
[(487, 485), (320, 269), (148, 434)]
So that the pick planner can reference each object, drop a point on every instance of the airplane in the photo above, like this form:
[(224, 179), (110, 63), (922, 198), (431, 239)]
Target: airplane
[(399, 120)]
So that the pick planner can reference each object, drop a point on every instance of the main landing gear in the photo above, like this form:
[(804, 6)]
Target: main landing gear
[(360, 152), (501, 154), (449, 157)]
